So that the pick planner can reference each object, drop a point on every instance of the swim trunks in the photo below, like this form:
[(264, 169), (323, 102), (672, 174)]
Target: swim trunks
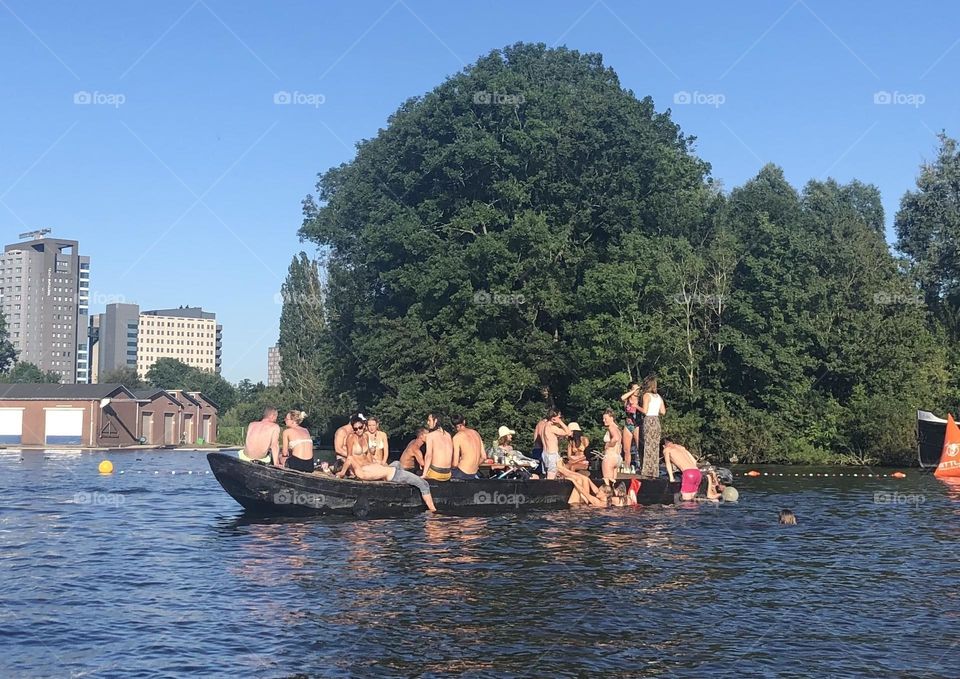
[(262, 460), (296, 464), (438, 473), (458, 475), (690, 481), (550, 462)]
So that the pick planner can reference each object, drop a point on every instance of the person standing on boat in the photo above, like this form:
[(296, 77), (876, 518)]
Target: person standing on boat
[(675, 455), (612, 455), (438, 460), (536, 452), (298, 442), (631, 424), (467, 451), (262, 443), (653, 408), (551, 433), (377, 442), (412, 455), (340, 436), (365, 470)]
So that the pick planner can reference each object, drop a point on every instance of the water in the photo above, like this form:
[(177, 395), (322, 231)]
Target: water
[(146, 574)]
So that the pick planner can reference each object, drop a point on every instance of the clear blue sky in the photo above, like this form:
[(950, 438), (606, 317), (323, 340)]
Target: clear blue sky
[(188, 192)]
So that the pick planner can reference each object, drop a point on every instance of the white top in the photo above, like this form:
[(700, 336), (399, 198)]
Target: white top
[(653, 406)]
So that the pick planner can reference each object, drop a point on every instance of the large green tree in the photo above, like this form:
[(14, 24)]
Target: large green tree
[(28, 373), (170, 373)]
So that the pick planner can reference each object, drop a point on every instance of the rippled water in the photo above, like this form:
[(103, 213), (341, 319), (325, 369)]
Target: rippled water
[(152, 573)]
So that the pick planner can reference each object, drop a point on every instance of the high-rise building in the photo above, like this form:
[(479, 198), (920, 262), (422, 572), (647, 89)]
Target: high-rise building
[(44, 293), (273, 366), (125, 337)]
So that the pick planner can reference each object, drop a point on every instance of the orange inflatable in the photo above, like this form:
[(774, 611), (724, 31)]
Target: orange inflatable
[(949, 466)]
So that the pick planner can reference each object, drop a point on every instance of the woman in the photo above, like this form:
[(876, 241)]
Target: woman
[(653, 409), (503, 446), (377, 443), (631, 407), (584, 490), (356, 441), (612, 459), (296, 441), (577, 449)]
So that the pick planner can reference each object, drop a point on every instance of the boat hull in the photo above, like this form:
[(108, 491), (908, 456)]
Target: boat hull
[(266, 490)]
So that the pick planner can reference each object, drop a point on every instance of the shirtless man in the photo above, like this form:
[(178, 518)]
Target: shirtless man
[(412, 455), (365, 470), (263, 438), (551, 433), (439, 458), (536, 452), (467, 451), (377, 442), (340, 436), (675, 455)]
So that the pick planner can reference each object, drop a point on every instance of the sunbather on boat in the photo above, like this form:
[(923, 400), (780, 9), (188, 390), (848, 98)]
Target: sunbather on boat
[(367, 470), (467, 451), (412, 455), (585, 492), (298, 442), (439, 458)]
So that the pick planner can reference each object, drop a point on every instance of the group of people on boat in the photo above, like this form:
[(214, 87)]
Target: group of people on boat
[(362, 451)]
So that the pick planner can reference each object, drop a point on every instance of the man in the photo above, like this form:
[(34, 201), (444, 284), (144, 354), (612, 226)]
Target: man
[(467, 451), (439, 458), (536, 452), (340, 436), (675, 455), (550, 434), (263, 440), (412, 455), (365, 470)]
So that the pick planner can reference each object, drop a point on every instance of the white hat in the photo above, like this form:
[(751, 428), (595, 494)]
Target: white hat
[(504, 431), (573, 426)]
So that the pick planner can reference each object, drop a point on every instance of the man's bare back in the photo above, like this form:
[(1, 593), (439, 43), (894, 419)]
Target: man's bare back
[(677, 456), (467, 450), (263, 438)]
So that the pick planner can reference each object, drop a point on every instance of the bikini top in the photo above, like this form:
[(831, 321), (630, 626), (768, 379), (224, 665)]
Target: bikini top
[(631, 410), (606, 437), (297, 442)]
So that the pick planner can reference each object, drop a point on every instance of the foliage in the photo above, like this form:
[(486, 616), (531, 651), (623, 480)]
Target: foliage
[(170, 373), (126, 376), (28, 373)]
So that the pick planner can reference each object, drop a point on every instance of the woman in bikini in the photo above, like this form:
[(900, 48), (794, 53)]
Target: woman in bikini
[(612, 459), (631, 408), (297, 441), (377, 443), (577, 449)]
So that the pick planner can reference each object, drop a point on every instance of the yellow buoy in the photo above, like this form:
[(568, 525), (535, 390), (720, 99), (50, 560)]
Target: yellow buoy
[(106, 467)]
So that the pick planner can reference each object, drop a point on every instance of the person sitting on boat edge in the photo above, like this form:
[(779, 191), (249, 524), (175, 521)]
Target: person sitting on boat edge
[(577, 446), (377, 442), (340, 436), (551, 433), (439, 456), (503, 446), (365, 470), (355, 444), (412, 455), (675, 455), (262, 442), (298, 442), (467, 451)]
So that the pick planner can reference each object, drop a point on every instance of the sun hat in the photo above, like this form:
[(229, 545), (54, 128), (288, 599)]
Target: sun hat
[(573, 426), (504, 431)]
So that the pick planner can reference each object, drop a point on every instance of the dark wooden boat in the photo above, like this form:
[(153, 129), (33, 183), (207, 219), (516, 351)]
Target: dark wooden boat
[(269, 490)]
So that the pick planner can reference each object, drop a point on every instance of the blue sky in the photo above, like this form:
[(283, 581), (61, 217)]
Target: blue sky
[(182, 179)]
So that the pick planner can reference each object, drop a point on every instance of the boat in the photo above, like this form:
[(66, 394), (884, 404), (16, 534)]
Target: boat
[(931, 431), (268, 490)]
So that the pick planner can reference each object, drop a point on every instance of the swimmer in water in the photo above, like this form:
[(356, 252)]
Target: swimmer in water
[(787, 518)]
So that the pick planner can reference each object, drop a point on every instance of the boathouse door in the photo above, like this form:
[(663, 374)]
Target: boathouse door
[(168, 433)]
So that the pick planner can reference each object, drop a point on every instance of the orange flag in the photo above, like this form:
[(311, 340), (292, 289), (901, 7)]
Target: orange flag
[(949, 466)]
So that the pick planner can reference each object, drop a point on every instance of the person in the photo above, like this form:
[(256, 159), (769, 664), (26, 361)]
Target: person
[(467, 451), (653, 409), (366, 470), (340, 436), (439, 456), (355, 444), (536, 452), (412, 455), (503, 446), (631, 408), (612, 457), (550, 435), (377, 442), (298, 442), (617, 495), (262, 442), (715, 489), (577, 446), (787, 518), (675, 455)]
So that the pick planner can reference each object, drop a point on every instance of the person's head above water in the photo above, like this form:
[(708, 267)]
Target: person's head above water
[(787, 517)]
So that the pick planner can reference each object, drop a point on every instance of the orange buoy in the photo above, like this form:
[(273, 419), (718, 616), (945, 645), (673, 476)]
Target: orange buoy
[(753, 472), (949, 466), (898, 475)]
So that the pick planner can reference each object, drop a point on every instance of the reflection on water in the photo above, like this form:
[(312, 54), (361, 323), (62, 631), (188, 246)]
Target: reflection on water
[(163, 575)]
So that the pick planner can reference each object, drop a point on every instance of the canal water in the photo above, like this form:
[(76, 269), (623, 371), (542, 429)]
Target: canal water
[(156, 572)]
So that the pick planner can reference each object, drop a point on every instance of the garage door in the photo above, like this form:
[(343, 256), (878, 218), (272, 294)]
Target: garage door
[(64, 426), (11, 425)]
